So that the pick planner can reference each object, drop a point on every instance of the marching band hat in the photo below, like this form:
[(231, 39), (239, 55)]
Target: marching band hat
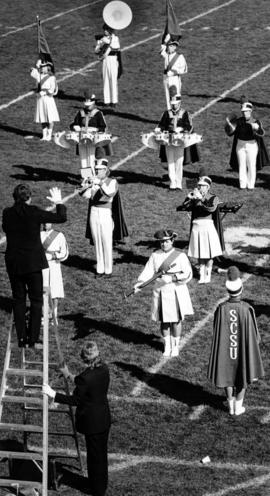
[(89, 97), (204, 181), (246, 106), (101, 163), (164, 234), (233, 283), (173, 42), (176, 98)]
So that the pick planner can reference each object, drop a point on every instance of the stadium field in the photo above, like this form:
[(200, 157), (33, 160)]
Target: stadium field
[(166, 416)]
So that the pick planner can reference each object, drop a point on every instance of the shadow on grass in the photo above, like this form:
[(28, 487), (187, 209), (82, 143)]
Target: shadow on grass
[(19, 131), (6, 303), (176, 389), (225, 262), (73, 479), (80, 263), (128, 177), (228, 100), (259, 308), (85, 326), (31, 173)]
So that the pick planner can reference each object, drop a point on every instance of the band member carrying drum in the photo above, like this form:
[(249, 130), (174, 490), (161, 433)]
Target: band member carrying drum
[(89, 120), (175, 121)]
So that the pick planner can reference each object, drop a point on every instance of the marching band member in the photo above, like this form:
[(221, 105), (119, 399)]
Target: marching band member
[(174, 66), (90, 117), (56, 250), (46, 110), (171, 300), (105, 219), (235, 359), (108, 50), (174, 120), (248, 150), (206, 238)]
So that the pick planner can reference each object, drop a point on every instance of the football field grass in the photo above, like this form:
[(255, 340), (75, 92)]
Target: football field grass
[(166, 416)]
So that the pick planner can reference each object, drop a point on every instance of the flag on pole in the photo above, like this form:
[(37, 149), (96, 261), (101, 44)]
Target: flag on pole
[(43, 47), (172, 26)]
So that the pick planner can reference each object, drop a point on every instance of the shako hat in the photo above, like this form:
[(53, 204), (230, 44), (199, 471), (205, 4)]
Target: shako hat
[(246, 106), (175, 98), (89, 98), (204, 181), (164, 234), (234, 283), (173, 42), (101, 163)]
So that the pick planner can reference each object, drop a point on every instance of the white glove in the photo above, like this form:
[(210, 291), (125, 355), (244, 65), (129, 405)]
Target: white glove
[(46, 389), (157, 130), (56, 196), (42, 93), (255, 126), (136, 287), (167, 278), (38, 64), (77, 128), (96, 180)]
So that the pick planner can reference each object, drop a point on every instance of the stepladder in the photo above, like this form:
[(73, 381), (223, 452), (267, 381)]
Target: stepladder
[(29, 421)]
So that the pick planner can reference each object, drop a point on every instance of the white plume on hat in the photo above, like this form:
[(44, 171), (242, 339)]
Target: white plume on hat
[(246, 106), (234, 283)]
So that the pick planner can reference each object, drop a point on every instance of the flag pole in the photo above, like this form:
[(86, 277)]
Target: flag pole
[(38, 32)]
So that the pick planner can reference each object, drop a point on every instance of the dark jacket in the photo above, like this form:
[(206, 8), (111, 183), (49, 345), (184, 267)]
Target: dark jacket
[(21, 223), (90, 397)]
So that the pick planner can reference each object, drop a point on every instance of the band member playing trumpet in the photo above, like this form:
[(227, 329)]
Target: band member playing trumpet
[(175, 120), (206, 238), (90, 118), (46, 111), (248, 151), (174, 66), (108, 50), (105, 218), (171, 300)]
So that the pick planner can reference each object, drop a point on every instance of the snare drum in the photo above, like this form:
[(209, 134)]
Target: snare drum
[(72, 136), (177, 139), (102, 139), (162, 137), (148, 139), (191, 139), (87, 136)]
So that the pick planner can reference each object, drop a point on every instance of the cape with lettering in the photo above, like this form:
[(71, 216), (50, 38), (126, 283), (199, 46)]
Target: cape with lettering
[(235, 358)]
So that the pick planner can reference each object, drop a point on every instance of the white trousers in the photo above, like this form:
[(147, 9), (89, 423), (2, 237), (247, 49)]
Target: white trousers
[(171, 81), (101, 225), (110, 83), (247, 152), (175, 158)]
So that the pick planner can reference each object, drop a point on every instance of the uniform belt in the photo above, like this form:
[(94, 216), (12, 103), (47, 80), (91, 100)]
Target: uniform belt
[(113, 52)]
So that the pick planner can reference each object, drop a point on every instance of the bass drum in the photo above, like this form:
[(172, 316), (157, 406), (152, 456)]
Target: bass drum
[(102, 139)]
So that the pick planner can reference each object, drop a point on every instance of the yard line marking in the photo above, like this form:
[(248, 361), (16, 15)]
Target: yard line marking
[(33, 24), (265, 419), (197, 412), (255, 482), (133, 45), (193, 331), (131, 460)]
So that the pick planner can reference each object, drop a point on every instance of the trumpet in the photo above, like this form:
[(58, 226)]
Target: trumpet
[(195, 194)]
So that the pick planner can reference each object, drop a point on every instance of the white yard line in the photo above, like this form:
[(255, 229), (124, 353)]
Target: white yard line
[(133, 45), (56, 16), (254, 482)]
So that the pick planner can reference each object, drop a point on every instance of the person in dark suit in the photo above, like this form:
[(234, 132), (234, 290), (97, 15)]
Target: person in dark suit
[(25, 257), (92, 416)]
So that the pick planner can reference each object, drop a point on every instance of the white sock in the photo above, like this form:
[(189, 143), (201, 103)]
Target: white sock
[(167, 347)]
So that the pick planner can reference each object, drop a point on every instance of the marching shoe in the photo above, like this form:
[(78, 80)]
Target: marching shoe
[(239, 408)]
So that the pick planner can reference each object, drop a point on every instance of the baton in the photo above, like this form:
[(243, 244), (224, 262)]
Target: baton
[(144, 284)]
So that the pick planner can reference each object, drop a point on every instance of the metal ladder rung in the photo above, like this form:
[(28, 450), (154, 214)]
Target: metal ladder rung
[(5, 426), (22, 399), (25, 372), (21, 455), (22, 483)]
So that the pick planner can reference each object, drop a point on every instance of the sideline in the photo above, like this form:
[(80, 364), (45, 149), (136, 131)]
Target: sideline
[(133, 45)]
